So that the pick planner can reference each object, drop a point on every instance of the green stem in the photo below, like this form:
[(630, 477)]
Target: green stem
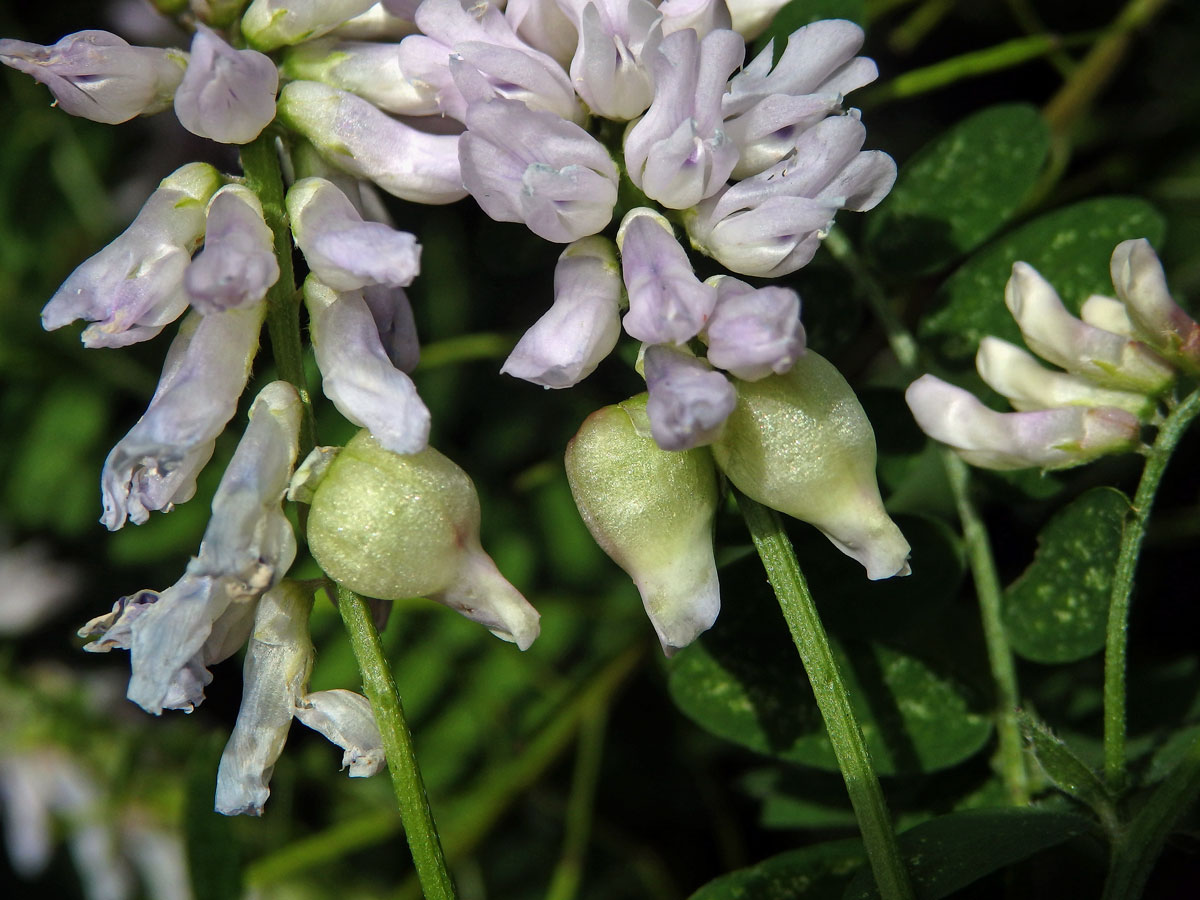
[(1089, 78), (409, 787), (260, 164), (1118, 609), (564, 884), (1011, 758), (1010, 754), (1135, 852), (808, 634)]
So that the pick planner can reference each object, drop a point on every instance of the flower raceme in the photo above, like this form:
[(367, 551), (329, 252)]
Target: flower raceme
[(1116, 362)]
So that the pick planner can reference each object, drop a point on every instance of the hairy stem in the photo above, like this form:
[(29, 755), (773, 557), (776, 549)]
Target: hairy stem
[(808, 634), (1122, 588), (407, 783)]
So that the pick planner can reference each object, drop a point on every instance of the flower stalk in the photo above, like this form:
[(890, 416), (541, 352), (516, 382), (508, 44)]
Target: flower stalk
[(808, 634), (407, 783)]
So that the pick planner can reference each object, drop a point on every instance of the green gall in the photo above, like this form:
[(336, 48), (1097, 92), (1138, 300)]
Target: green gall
[(391, 526), (652, 511), (801, 443)]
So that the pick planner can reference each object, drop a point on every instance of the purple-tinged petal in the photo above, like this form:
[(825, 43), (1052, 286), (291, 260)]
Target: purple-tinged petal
[(689, 401), (345, 719), (397, 328), (97, 75), (701, 16), (358, 376), (566, 344), (754, 332), (226, 95), (237, 264), (1046, 439), (667, 302)]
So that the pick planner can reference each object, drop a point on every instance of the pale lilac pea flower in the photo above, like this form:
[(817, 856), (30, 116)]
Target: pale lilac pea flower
[(226, 95), (237, 265), (134, 286), (1046, 439), (361, 139), (677, 153), (1050, 331), (367, 69), (567, 343), (97, 75), (1138, 278), (667, 302), (342, 249), (155, 465), (771, 224), (611, 67), (753, 332), (247, 547), (356, 373), (688, 401), (269, 24), (537, 168)]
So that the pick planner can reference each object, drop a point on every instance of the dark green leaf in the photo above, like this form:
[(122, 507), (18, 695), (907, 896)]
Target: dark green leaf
[(814, 873), (213, 857), (744, 681), (959, 189), (1070, 247), (799, 13), (1066, 771), (952, 851), (1057, 610)]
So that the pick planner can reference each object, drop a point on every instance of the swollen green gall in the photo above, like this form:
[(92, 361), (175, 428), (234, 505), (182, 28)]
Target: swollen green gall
[(652, 511), (391, 526), (801, 443)]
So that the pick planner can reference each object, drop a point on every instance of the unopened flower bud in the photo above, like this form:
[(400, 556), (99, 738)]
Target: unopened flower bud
[(689, 400), (566, 344), (1050, 331), (1045, 439), (268, 24), (1139, 281), (99, 76), (652, 511), (392, 527), (801, 443), (368, 69), (226, 95), (753, 332)]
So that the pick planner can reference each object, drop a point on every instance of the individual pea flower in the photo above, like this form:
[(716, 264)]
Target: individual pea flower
[(270, 24), (156, 464), (689, 401), (226, 95), (652, 511), (371, 70), (456, 42), (772, 223), (356, 372), (801, 443), (342, 249), (391, 527), (668, 304), (278, 663), (767, 107), (1139, 282), (611, 66), (677, 153), (133, 287), (566, 344), (99, 76), (361, 139), (531, 166), (753, 332), (237, 265), (1044, 438), (1112, 384), (247, 547)]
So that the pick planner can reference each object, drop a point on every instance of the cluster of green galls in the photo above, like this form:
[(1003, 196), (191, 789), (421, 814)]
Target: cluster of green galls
[(390, 526)]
